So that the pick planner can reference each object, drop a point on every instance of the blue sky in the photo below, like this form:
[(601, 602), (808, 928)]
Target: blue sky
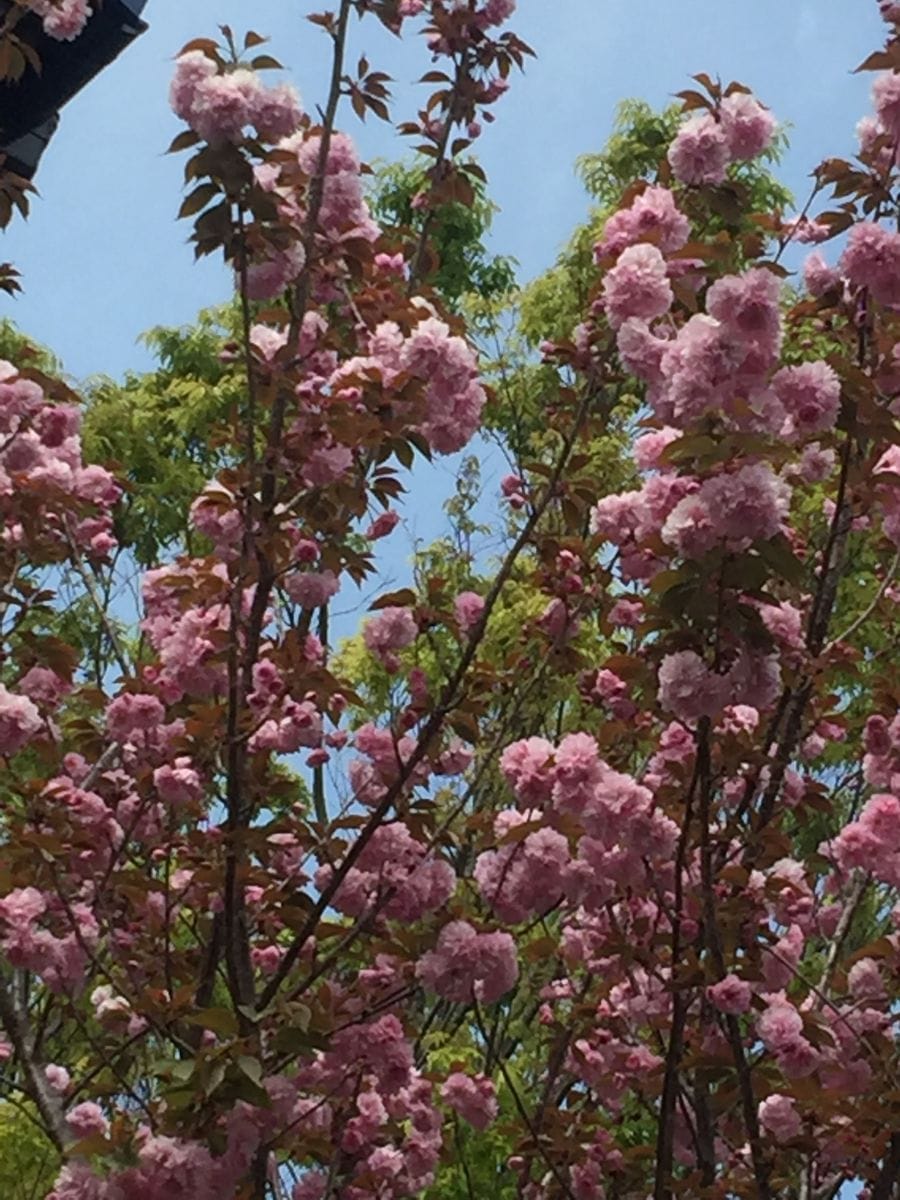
[(103, 257)]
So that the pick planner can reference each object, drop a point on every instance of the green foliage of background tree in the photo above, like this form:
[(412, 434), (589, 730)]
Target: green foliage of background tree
[(155, 427), (28, 1160), (460, 263)]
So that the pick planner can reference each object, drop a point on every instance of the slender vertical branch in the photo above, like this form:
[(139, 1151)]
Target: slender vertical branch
[(245, 635), (320, 806), (713, 943), (440, 165), (665, 1129), (14, 1018), (523, 1111), (706, 1130), (885, 1184), (858, 890)]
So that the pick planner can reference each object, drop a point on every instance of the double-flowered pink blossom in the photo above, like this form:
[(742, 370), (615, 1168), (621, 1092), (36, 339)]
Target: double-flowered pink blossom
[(219, 107), (637, 286), (525, 877), (872, 841), (700, 152), (705, 144), (747, 306), (454, 395), (749, 127), (20, 721), (471, 1097), (731, 994), (311, 589), (468, 608), (467, 965), (810, 395), (37, 935), (391, 630), (690, 689), (886, 97), (778, 1117), (528, 767), (651, 216), (734, 509), (394, 876), (780, 1028), (63, 20), (343, 211), (818, 276), (871, 260)]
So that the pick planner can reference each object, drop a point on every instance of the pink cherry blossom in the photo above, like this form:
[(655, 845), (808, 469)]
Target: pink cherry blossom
[(748, 127), (818, 276), (653, 215), (63, 20), (221, 106), (700, 152), (731, 994), (872, 260), (525, 877), (886, 97), (527, 766), (86, 1119), (20, 721), (454, 397), (191, 69), (637, 286), (472, 1097), (778, 1116), (747, 306), (276, 112), (468, 607), (311, 589), (689, 689), (394, 876), (465, 965), (391, 630), (811, 396)]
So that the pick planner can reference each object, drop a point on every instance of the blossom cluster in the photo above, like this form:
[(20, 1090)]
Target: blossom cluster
[(219, 106), (39, 934), (49, 497), (441, 361), (708, 143), (62, 20)]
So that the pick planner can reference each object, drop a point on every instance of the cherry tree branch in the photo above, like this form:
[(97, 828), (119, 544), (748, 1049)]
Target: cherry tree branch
[(236, 942), (435, 722), (15, 1021)]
